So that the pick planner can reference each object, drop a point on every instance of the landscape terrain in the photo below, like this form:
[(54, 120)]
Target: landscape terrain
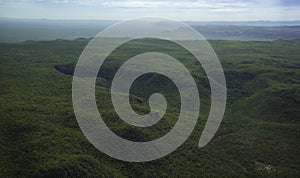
[(14, 30), (258, 137)]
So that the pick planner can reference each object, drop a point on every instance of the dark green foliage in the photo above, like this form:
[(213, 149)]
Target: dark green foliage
[(259, 136)]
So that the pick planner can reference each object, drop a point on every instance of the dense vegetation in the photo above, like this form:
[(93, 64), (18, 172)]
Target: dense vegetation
[(259, 135)]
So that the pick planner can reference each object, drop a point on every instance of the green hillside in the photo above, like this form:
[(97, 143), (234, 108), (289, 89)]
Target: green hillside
[(258, 137)]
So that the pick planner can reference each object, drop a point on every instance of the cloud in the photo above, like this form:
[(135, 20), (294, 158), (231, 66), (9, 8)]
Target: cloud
[(184, 4), (289, 3), (177, 9), (171, 4), (144, 3)]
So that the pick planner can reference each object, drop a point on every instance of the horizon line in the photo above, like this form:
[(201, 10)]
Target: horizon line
[(187, 20)]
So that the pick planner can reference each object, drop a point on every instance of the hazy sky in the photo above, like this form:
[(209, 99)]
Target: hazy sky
[(201, 10)]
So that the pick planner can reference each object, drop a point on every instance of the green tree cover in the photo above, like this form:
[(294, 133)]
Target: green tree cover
[(259, 135)]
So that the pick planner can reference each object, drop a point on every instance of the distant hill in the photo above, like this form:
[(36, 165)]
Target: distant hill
[(261, 23), (17, 30)]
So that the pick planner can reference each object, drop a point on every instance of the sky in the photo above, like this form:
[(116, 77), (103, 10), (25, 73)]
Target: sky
[(194, 10)]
